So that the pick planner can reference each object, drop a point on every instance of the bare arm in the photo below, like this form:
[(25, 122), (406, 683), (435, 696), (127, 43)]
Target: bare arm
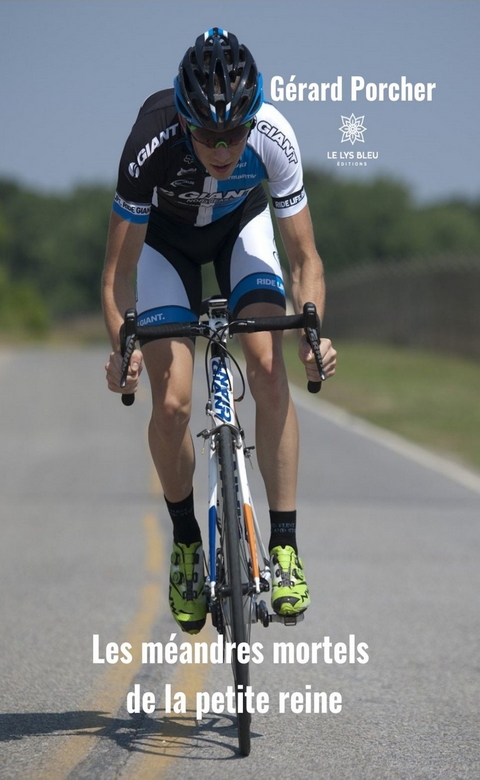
[(308, 282), (124, 245), (305, 264)]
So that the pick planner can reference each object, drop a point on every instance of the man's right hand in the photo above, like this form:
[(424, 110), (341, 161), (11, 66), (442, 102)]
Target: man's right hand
[(114, 372)]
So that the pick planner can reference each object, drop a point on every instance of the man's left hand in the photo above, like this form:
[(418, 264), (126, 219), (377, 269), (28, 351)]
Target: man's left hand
[(329, 358)]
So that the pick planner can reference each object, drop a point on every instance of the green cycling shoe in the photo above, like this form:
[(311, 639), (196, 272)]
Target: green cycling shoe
[(186, 596), (290, 594)]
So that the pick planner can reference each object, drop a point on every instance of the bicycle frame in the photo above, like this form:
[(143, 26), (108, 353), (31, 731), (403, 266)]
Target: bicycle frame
[(222, 412)]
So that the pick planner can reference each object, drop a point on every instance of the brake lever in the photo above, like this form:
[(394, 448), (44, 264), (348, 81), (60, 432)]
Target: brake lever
[(312, 332), (128, 338)]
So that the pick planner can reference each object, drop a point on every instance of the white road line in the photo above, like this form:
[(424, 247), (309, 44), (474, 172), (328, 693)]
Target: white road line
[(392, 441)]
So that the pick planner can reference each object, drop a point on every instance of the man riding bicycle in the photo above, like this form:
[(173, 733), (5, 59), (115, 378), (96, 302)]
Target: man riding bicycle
[(189, 192)]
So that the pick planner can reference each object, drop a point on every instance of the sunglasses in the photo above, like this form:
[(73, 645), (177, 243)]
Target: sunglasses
[(212, 140)]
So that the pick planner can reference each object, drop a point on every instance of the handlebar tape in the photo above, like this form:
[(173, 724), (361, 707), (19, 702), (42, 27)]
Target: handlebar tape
[(128, 337), (312, 330)]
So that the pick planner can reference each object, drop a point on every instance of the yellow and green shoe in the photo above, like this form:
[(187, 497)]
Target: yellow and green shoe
[(186, 596), (290, 594)]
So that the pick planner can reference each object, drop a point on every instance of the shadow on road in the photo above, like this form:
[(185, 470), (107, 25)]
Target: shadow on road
[(173, 736)]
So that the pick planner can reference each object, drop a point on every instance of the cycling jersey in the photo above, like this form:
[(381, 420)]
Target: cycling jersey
[(159, 170)]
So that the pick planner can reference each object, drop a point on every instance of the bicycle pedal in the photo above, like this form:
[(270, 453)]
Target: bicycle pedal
[(287, 620), (265, 617)]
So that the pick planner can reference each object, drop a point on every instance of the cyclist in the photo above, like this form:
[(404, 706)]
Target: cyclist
[(189, 191)]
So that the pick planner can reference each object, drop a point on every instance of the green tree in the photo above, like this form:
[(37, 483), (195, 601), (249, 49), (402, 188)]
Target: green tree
[(53, 245)]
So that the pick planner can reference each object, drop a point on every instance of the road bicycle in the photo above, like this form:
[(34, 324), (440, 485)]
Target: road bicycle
[(237, 564)]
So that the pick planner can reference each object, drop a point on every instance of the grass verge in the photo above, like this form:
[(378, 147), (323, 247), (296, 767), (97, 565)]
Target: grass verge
[(430, 398)]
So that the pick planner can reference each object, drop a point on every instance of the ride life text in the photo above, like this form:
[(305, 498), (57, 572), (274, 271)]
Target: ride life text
[(402, 90)]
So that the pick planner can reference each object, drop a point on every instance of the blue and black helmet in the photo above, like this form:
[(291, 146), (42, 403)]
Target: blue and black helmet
[(218, 86)]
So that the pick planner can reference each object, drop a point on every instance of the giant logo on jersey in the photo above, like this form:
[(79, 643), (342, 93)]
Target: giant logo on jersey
[(206, 198), (284, 143), (148, 150)]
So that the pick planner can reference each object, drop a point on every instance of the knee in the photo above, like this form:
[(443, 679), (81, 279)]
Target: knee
[(267, 379), (170, 416)]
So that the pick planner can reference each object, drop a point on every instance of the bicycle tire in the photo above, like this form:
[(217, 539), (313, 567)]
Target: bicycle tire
[(238, 611)]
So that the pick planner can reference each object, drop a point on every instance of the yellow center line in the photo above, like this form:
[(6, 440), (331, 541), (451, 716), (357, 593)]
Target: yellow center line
[(110, 692), (155, 754), (176, 737)]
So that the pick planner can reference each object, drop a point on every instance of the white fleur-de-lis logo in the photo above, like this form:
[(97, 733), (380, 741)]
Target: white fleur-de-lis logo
[(352, 129)]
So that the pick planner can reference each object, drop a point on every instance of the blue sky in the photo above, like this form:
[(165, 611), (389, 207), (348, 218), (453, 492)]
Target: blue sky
[(74, 73)]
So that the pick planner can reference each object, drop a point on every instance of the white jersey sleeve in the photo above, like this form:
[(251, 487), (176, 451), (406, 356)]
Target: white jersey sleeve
[(275, 142)]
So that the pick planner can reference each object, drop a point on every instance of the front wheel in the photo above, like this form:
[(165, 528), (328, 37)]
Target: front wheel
[(237, 606)]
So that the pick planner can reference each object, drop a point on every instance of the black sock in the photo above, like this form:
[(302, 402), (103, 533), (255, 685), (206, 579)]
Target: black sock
[(283, 526), (185, 527)]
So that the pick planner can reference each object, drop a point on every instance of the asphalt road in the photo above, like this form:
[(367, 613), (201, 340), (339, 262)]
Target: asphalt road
[(390, 538)]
